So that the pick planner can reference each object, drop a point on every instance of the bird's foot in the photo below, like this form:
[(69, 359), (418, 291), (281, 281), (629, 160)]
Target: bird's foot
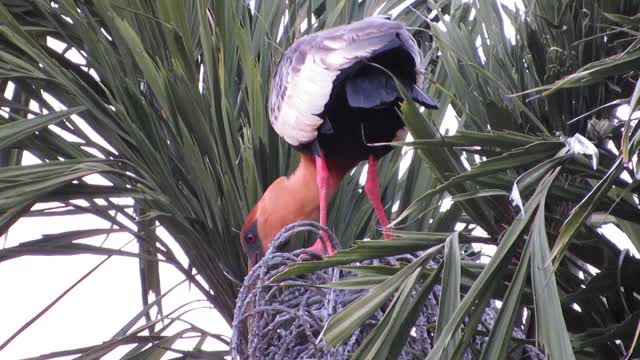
[(385, 232), (319, 248), (322, 246)]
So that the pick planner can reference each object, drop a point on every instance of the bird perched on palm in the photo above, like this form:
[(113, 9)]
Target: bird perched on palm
[(332, 96)]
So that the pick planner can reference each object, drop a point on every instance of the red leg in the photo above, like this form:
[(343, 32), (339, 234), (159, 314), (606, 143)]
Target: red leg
[(372, 188), (323, 178)]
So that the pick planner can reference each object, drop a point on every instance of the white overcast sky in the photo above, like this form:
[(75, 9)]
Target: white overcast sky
[(96, 309)]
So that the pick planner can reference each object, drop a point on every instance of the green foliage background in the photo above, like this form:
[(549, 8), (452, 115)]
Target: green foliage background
[(180, 96)]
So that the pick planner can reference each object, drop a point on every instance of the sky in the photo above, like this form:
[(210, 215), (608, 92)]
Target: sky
[(97, 308)]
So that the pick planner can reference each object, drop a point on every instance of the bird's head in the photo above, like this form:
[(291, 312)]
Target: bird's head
[(251, 240)]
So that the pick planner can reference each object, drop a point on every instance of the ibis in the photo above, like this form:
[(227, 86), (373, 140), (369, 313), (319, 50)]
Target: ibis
[(331, 97)]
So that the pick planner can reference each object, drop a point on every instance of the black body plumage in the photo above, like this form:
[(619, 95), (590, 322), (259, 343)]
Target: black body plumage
[(363, 108), (333, 93)]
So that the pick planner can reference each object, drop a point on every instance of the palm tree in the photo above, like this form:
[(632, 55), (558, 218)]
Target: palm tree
[(176, 92)]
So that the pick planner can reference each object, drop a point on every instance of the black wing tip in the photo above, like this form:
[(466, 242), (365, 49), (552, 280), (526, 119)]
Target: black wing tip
[(423, 99)]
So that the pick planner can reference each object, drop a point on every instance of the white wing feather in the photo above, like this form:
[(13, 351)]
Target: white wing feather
[(303, 81)]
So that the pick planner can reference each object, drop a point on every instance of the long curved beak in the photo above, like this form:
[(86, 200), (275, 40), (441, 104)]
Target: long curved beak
[(254, 259)]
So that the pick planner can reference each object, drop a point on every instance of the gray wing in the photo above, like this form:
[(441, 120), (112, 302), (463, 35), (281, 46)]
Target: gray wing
[(378, 89), (302, 84)]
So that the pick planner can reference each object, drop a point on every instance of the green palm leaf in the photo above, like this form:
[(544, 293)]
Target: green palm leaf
[(165, 100)]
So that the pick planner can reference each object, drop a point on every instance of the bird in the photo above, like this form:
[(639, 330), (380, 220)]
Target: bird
[(332, 97)]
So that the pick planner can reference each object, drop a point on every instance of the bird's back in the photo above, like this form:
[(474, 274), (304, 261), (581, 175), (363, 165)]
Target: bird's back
[(326, 90)]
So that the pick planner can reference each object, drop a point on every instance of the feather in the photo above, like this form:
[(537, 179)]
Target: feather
[(421, 98), (378, 88), (371, 91), (307, 72)]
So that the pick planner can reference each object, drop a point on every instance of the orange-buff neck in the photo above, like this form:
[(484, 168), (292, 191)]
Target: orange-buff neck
[(296, 197)]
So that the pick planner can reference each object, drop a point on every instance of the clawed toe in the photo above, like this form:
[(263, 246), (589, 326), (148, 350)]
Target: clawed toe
[(318, 250), (310, 255)]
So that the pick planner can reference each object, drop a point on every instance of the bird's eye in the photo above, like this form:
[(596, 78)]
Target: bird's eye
[(250, 238)]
